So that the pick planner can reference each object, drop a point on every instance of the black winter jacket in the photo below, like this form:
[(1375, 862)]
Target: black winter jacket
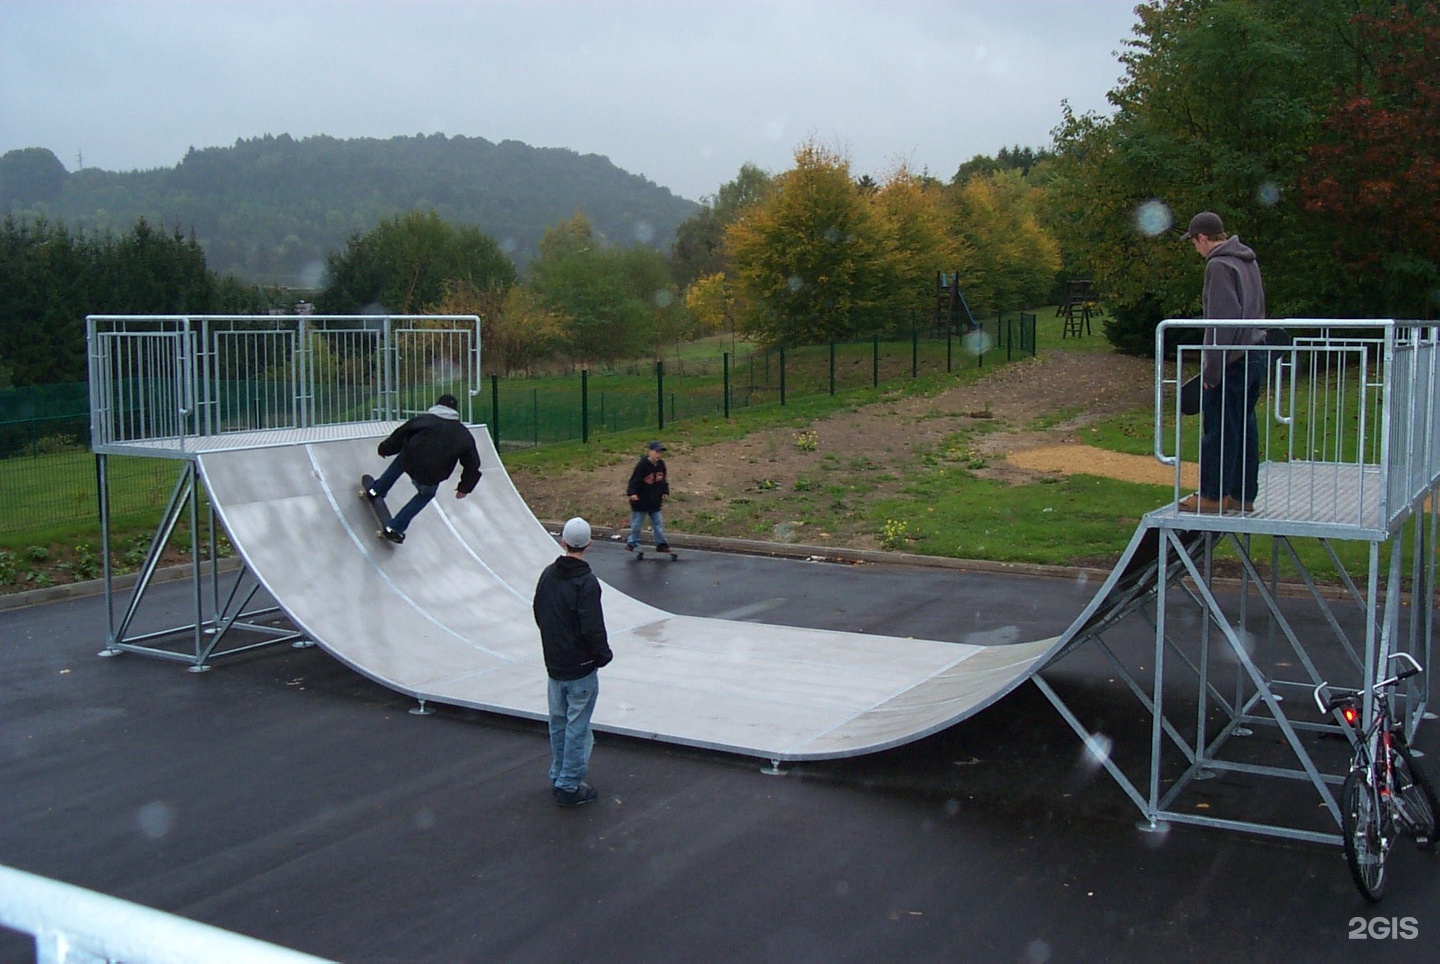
[(572, 627), (648, 481), (429, 445)]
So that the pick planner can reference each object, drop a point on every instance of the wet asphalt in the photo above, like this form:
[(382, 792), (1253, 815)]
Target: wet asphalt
[(283, 796)]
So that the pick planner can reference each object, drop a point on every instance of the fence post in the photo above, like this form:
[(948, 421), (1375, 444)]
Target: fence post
[(949, 348), (979, 333), (1009, 339), (875, 361), (495, 410), (727, 384), (584, 405), (535, 415), (660, 391), (914, 352), (782, 374), (832, 367)]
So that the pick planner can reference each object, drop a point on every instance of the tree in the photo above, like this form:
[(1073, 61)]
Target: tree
[(29, 175), (1015, 158), (713, 302), (1009, 259), (914, 212), (700, 241), (1375, 172), (1218, 106), (53, 279), (404, 264), (813, 258), (517, 329), (605, 292)]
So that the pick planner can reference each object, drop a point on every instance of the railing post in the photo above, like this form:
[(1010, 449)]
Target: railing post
[(495, 410), (727, 384), (584, 405), (782, 374)]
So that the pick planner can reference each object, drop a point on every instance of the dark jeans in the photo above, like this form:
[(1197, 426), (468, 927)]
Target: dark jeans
[(423, 494), (1230, 445)]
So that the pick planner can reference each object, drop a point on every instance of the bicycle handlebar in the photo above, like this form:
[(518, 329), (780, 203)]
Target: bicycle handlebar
[(1328, 705)]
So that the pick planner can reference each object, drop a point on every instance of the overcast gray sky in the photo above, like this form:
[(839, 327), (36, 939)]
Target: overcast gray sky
[(681, 91)]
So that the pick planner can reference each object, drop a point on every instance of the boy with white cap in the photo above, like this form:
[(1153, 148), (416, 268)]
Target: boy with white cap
[(572, 632)]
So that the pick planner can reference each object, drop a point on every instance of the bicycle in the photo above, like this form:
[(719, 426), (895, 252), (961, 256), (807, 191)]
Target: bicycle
[(1385, 794)]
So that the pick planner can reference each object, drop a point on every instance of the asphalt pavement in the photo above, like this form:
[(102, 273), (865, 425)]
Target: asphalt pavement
[(282, 796)]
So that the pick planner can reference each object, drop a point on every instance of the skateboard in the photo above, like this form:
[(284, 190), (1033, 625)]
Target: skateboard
[(667, 551), (1190, 397), (380, 510)]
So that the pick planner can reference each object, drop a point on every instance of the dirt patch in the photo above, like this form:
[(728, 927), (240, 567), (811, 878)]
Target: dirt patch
[(759, 487), (1088, 460)]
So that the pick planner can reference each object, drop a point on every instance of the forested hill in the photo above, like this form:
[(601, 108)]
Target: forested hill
[(270, 209)]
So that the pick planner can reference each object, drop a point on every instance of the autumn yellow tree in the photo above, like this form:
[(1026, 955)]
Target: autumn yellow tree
[(1010, 259), (915, 214), (812, 258), (713, 302), (517, 328)]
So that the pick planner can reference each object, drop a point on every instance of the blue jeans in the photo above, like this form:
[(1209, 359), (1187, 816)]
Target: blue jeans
[(400, 521), (572, 703), (1230, 445), (657, 526)]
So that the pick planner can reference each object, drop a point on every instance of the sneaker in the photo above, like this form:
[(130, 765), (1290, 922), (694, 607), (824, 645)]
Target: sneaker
[(631, 546), (663, 547), (1198, 503), (394, 535), (578, 797)]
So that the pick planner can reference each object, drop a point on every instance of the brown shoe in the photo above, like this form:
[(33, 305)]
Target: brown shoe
[(1235, 505), (1198, 503)]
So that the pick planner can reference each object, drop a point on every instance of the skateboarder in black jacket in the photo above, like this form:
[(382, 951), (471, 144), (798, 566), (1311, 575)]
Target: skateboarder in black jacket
[(427, 448)]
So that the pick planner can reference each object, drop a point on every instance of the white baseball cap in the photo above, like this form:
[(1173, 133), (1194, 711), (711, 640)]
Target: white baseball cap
[(576, 533)]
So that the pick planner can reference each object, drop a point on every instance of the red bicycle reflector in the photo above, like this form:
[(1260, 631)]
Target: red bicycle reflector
[(1350, 714)]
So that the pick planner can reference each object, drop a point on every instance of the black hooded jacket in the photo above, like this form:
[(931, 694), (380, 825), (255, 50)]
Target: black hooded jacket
[(572, 627), (429, 445)]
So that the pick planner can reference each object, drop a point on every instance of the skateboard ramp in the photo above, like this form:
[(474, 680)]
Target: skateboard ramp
[(446, 618)]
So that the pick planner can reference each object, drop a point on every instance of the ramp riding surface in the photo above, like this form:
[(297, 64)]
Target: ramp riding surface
[(446, 618)]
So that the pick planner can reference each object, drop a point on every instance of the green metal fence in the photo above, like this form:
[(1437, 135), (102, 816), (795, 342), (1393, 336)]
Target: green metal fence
[(47, 473)]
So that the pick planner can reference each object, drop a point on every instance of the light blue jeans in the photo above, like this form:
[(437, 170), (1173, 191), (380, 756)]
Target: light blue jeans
[(657, 526), (400, 521), (572, 703)]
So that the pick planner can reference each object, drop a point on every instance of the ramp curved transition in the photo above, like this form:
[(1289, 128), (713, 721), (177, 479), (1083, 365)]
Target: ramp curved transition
[(447, 618)]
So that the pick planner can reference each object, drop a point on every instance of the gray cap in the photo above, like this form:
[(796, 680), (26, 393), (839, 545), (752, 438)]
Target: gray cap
[(576, 534), (1207, 223)]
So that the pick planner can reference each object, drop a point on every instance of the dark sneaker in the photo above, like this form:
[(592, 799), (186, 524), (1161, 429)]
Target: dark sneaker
[(394, 535), (663, 547), (631, 546), (578, 797)]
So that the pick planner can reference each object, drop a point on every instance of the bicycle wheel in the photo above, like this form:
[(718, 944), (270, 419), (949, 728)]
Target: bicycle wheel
[(1418, 796), (1361, 820)]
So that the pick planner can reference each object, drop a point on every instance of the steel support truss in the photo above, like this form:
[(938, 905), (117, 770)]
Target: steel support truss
[(1229, 665), (223, 624)]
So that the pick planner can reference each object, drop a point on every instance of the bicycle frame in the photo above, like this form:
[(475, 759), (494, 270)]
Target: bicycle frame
[(1376, 809)]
